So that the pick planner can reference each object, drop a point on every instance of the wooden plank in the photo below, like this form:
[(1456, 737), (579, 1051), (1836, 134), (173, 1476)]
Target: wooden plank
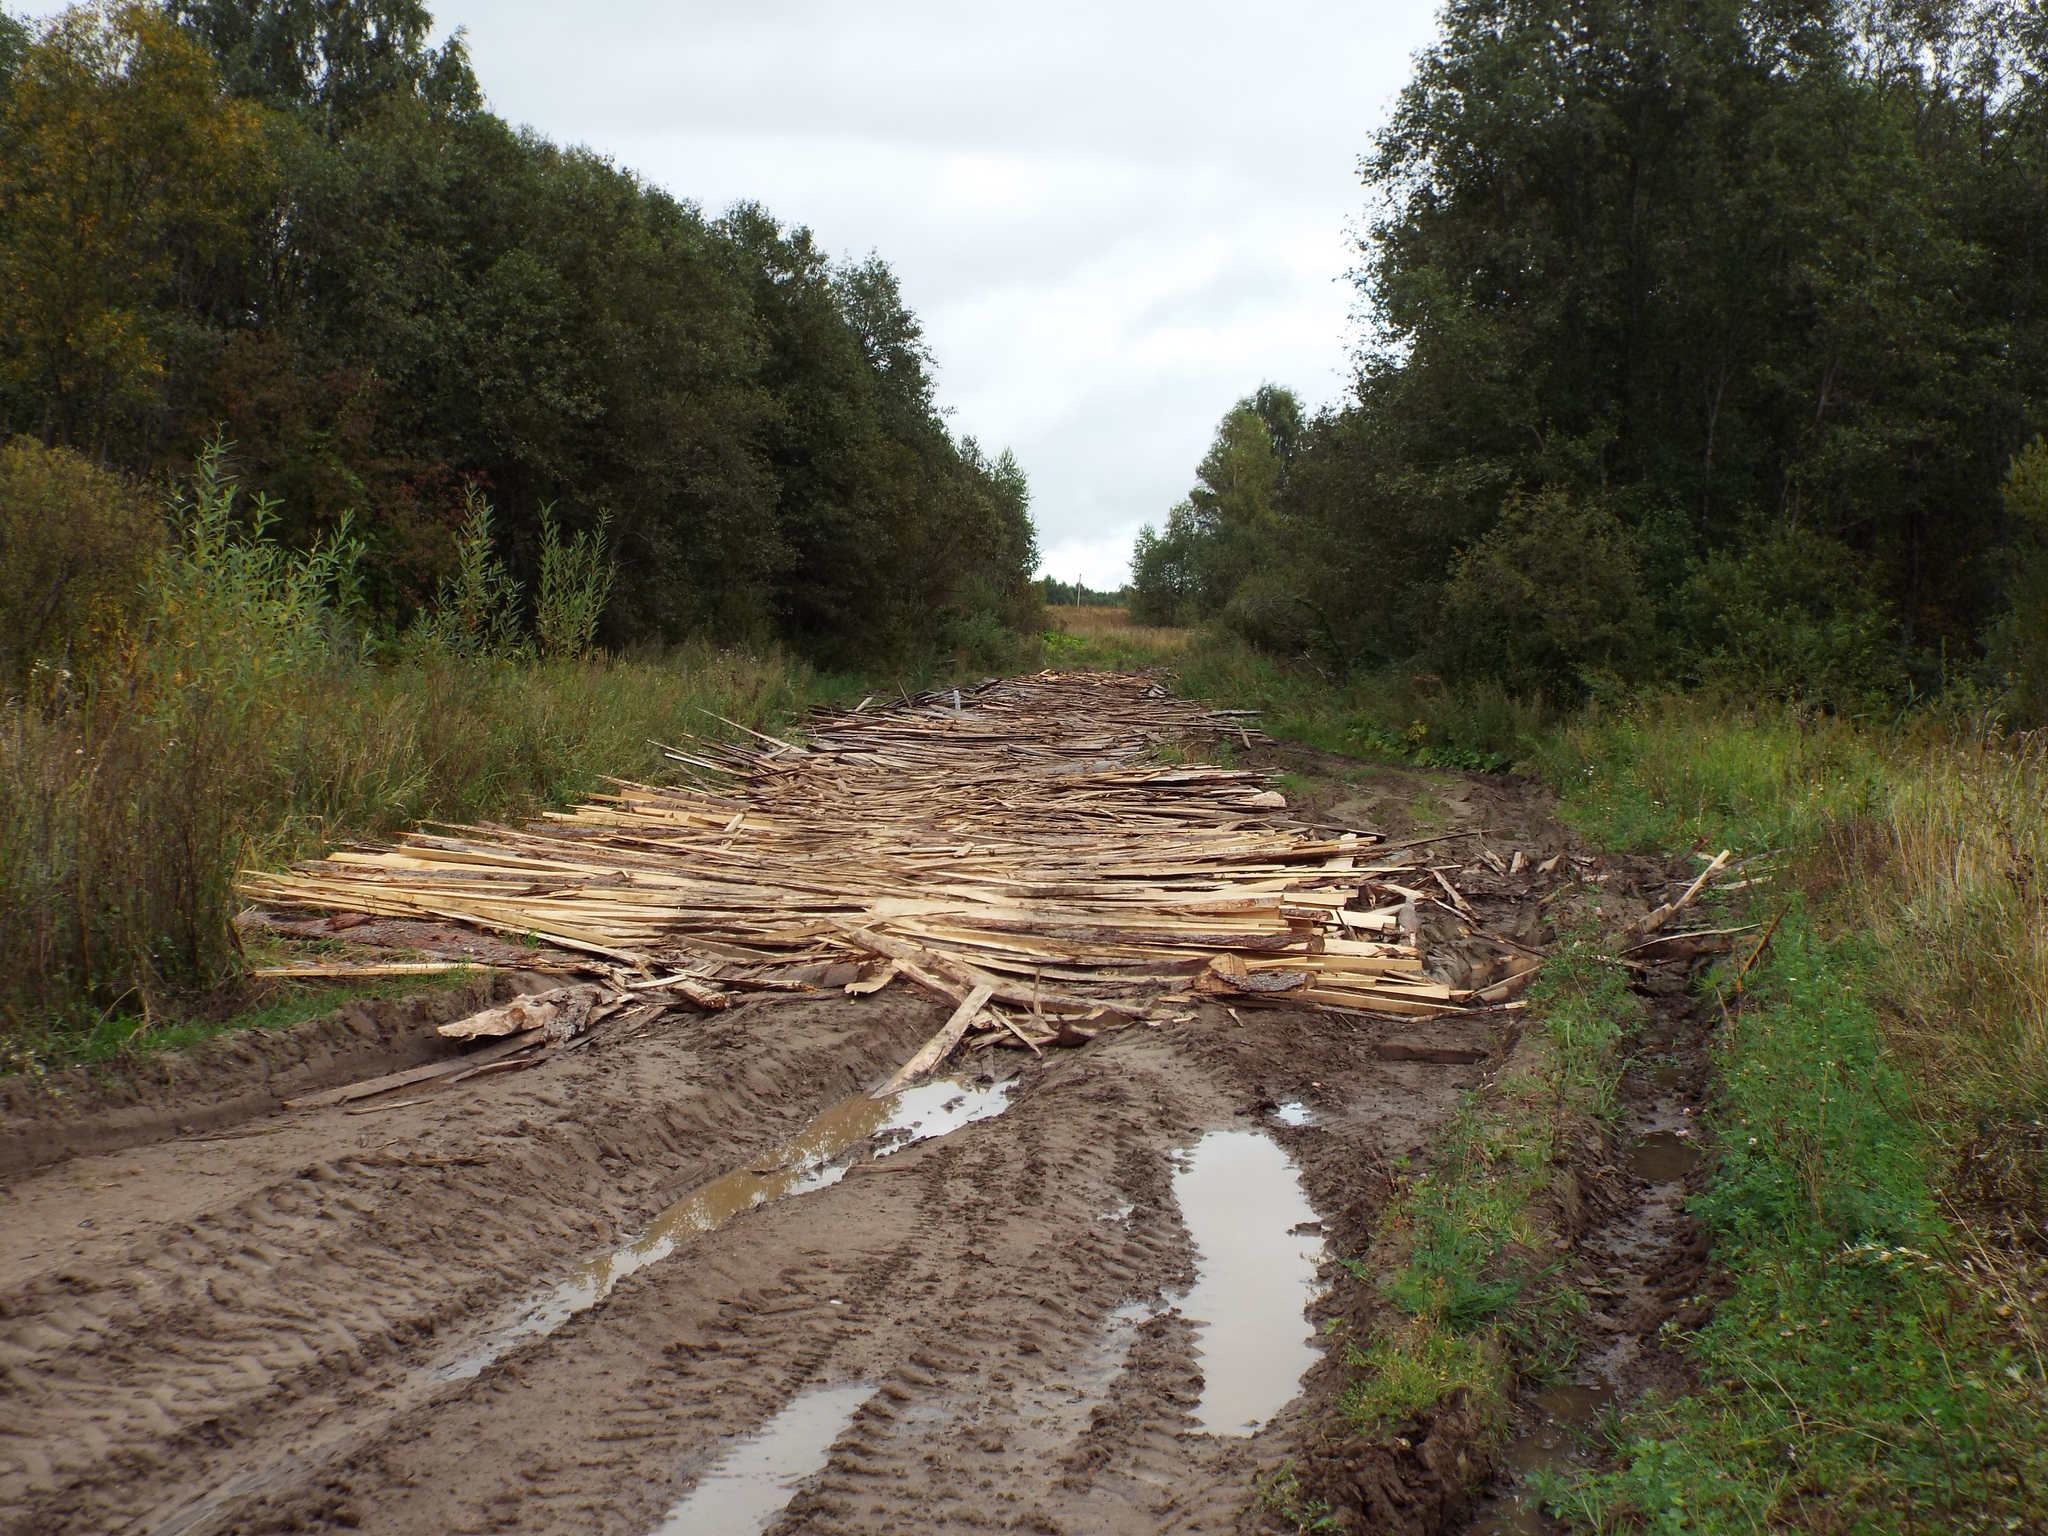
[(411, 1075), (936, 1049)]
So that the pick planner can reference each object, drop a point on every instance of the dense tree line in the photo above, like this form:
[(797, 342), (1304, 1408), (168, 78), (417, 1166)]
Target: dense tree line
[(295, 223), (1706, 334)]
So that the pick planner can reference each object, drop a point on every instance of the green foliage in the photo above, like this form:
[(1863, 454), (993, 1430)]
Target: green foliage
[(1550, 599), (1403, 1378), (1853, 1371), (2019, 637), (1226, 529), (75, 546), (1481, 1302), (477, 610), (1703, 335), (1671, 772), (575, 581), (1877, 1364), (234, 620), (244, 717), (298, 224), (1389, 715), (1794, 616), (127, 804), (124, 171), (1078, 594), (1280, 1495)]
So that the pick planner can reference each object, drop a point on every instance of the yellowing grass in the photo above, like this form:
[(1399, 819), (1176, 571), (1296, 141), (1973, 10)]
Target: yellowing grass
[(1113, 627)]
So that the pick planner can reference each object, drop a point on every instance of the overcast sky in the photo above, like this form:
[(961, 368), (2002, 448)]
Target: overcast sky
[(1114, 218)]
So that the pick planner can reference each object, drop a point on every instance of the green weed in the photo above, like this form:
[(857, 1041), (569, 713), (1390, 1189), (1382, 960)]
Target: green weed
[(126, 1036), (1475, 1281), (1384, 717), (1280, 1494), (1858, 1377)]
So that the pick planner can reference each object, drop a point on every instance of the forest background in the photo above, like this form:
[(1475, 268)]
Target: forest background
[(1708, 343), (296, 226)]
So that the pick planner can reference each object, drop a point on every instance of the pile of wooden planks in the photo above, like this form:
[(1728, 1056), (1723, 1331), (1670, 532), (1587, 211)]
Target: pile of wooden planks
[(1022, 845)]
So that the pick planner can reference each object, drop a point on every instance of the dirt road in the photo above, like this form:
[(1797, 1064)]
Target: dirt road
[(1064, 1293)]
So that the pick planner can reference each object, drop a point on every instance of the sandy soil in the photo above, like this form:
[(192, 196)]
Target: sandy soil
[(264, 1326)]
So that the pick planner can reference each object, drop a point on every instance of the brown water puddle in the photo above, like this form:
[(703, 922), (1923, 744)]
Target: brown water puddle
[(1663, 1157), (1558, 1440), (813, 1160), (748, 1486), (1258, 1242)]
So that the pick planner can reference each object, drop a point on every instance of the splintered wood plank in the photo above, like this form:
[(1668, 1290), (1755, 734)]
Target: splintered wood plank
[(936, 1049), (1026, 843)]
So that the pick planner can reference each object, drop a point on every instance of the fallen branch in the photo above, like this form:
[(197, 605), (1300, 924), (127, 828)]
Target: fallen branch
[(1651, 921)]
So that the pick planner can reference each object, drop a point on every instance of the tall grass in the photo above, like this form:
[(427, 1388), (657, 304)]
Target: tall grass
[(1880, 1200), (1394, 716), (1933, 846), (244, 718)]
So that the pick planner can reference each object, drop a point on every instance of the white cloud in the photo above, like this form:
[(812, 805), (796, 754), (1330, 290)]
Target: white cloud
[(1114, 219)]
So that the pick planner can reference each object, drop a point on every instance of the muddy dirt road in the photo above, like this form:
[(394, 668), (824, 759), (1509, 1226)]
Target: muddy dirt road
[(694, 1280)]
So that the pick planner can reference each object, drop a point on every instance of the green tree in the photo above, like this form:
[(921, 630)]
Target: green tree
[(2019, 638), (1229, 527), (1737, 271), (123, 165)]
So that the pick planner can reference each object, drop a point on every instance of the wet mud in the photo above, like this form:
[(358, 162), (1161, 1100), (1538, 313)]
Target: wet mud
[(1641, 1262), (704, 1260), (694, 1279)]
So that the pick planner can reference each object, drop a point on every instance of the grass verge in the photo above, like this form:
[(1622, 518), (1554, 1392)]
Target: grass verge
[(125, 815), (1879, 1201), (1869, 1370), (1387, 717), (1877, 1197), (123, 1038), (1468, 1253)]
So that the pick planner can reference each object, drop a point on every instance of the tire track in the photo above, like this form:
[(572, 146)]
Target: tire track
[(156, 1366)]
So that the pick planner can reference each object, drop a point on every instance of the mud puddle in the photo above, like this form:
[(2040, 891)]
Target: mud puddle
[(1557, 1441), (1257, 1242), (749, 1485), (1662, 1157), (815, 1159)]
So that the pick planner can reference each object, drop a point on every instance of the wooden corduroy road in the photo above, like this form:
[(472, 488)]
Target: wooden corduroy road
[(359, 1275), (1023, 838)]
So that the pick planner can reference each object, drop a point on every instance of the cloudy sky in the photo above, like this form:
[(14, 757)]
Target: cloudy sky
[(1113, 218)]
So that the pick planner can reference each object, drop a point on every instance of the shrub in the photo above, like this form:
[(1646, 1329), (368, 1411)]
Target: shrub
[(75, 546), (476, 612), (1549, 600), (575, 582), (1795, 617), (2018, 643)]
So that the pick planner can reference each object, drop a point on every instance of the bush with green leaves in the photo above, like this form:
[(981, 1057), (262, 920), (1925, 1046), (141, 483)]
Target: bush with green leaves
[(76, 545), (1550, 601)]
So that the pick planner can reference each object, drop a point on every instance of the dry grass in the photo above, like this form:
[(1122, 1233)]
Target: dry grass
[(1114, 624), (1956, 881)]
